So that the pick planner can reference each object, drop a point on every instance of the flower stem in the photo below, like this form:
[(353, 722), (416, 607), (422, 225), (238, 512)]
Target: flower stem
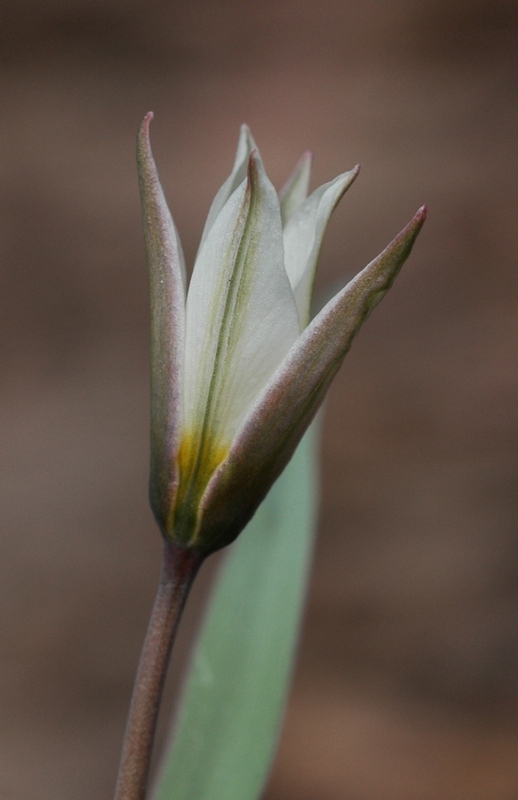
[(179, 568)]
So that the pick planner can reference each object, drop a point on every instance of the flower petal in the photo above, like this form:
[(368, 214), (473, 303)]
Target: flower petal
[(303, 236), (241, 315), (241, 322), (245, 146), (296, 188), (276, 423), (167, 289)]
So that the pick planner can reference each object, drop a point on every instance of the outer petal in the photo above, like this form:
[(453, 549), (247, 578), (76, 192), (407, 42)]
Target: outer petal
[(167, 290), (241, 322), (245, 146), (303, 236), (296, 188), (275, 425)]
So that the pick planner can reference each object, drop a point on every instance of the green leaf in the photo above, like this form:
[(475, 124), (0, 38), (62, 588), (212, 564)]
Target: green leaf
[(235, 694)]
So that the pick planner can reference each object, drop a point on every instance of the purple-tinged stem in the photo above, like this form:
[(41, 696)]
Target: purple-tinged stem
[(179, 569)]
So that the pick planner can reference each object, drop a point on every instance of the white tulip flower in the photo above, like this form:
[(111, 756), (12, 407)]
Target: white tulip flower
[(238, 370)]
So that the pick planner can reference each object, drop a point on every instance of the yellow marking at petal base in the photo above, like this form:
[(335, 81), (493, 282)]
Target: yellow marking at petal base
[(199, 456)]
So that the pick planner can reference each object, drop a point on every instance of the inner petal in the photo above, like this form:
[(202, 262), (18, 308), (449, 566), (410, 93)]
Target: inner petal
[(241, 320)]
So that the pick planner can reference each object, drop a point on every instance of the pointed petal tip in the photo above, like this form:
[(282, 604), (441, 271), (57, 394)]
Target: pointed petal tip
[(144, 125), (143, 142), (345, 180), (305, 162), (406, 237), (418, 219), (350, 176), (246, 134)]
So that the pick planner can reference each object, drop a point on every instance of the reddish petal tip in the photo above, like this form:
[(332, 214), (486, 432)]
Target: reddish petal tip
[(143, 144), (147, 119)]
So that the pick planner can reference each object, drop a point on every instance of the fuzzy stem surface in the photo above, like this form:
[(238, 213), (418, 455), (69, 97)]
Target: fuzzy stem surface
[(179, 568)]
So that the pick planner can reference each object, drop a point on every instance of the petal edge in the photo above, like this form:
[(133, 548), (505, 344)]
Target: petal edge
[(167, 293), (274, 427)]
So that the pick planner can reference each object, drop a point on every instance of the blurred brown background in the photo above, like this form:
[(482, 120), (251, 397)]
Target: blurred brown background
[(407, 680)]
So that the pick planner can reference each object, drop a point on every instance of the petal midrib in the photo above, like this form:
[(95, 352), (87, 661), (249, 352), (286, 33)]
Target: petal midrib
[(205, 449)]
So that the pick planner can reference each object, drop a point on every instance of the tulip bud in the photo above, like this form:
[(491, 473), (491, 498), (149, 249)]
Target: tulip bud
[(238, 370)]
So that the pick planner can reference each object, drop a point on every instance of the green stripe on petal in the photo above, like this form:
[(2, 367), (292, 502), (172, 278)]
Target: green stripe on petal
[(303, 237), (241, 321), (276, 423), (167, 290), (245, 146)]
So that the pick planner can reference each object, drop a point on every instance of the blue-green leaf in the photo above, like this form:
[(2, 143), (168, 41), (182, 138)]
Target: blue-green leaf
[(235, 694)]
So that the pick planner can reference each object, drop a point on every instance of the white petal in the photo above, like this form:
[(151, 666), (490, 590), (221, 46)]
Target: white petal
[(241, 315), (276, 423), (303, 236), (296, 188), (245, 146)]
